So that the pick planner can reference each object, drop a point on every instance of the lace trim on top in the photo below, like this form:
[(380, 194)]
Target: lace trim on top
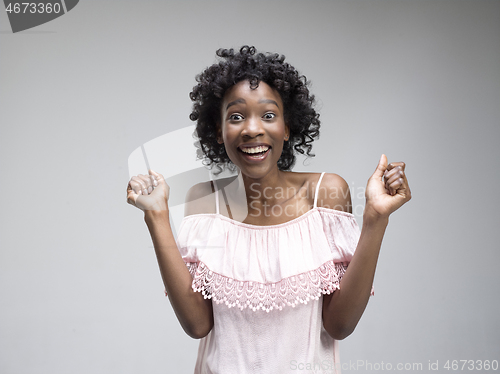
[(289, 291), (268, 267)]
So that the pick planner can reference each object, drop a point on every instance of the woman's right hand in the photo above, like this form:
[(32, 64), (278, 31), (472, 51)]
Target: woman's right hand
[(148, 192)]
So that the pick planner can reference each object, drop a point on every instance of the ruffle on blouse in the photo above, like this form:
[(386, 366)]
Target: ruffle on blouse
[(268, 267), (289, 291)]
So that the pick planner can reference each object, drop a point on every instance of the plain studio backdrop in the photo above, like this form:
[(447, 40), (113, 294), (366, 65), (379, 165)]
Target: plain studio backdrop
[(80, 289)]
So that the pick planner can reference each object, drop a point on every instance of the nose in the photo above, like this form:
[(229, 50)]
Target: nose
[(253, 127)]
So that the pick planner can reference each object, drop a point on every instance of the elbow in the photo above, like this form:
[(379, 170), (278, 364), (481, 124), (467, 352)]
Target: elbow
[(198, 334), (340, 333), (198, 331), (339, 330), (339, 323)]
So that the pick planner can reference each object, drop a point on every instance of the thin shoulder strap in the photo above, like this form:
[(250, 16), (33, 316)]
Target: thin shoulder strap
[(214, 190), (317, 189), (227, 204)]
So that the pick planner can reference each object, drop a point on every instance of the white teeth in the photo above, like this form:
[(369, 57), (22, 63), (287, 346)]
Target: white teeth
[(255, 149)]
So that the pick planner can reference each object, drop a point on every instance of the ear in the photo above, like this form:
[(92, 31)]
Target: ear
[(287, 132), (219, 134)]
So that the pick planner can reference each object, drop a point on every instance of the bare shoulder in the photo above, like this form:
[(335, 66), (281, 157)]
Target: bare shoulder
[(200, 199), (333, 192)]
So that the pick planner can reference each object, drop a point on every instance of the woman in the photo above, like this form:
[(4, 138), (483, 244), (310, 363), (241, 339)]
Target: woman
[(284, 266)]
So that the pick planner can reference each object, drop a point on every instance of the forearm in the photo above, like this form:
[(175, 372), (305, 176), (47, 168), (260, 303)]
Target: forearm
[(386, 191), (193, 311), (343, 309)]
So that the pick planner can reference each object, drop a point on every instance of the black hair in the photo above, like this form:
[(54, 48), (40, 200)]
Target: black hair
[(247, 64)]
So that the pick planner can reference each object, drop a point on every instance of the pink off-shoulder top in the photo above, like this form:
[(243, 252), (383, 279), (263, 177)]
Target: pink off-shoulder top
[(266, 284)]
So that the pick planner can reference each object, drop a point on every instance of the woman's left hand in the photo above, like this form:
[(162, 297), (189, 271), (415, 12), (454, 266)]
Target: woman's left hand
[(387, 189)]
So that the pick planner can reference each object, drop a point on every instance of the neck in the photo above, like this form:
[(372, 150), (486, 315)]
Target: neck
[(264, 190)]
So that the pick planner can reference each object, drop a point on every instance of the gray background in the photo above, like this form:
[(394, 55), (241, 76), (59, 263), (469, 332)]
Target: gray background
[(418, 80)]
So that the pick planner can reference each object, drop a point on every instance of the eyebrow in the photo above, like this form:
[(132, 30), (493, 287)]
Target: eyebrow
[(242, 101), (268, 101), (237, 101)]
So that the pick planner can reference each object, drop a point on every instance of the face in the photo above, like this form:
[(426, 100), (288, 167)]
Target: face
[(253, 128)]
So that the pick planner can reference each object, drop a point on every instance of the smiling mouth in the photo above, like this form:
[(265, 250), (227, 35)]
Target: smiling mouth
[(255, 152)]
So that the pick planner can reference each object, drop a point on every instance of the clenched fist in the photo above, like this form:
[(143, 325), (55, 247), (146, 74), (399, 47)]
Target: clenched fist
[(148, 192), (387, 189)]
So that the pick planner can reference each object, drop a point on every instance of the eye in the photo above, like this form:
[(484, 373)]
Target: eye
[(235, 117), (269, 115)]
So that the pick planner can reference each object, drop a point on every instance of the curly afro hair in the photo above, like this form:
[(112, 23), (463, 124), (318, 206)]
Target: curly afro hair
[(247, 64)]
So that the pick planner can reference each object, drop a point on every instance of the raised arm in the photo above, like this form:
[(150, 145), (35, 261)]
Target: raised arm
[(150, 194), (386, 191)]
